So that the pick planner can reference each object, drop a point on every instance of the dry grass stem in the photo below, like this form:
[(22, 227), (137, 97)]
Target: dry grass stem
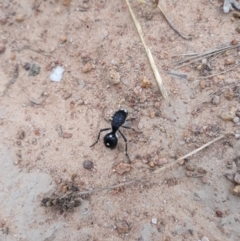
[(223, 72), (167, 166), (206, 54), (149, 55)]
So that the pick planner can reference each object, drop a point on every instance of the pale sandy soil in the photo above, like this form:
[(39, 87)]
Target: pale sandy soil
[(37, 161)]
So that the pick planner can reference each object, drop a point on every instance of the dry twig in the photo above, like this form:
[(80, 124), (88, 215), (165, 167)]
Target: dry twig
[(171, 25), (34, 50), (149, 55), (13, 80), (198, 57), (223, 72), (167, 166)]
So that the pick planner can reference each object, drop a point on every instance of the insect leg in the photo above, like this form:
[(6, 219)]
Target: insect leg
[(125, 139), (106, 129), (127, 127)]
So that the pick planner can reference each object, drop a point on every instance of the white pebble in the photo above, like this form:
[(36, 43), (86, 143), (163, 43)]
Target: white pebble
[(236, 119), (205, 238), (140, 125), (56, 74), (154, 220)]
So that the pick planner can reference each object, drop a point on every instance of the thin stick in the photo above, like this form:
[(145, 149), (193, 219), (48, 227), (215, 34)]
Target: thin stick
[(191, 60), (189, 154), (212, 51), (149, 55), (225, 71), (34, 50), (171, 164), (171, 25)]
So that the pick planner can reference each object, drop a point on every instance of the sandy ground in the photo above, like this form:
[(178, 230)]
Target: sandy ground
[(47, 127)]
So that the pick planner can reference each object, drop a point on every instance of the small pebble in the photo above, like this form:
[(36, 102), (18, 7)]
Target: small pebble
[(145, 83), (56, 74), (66, 135), (204, 238), (229, 94), (219, 213), (19, 18), (16, 162), (13, 56), (36, 132), (2, 47), (229, 164), (87, 67), (27, 66), (74, 189), (152, 114), (203, 84), (201, 170), (151, 164), (3, 20), (237, 178), (236, 14), (161, 161), (154, 221), (236, 190), (21, 135), (229, 176), (74, 175), (140, 125), (145, 161), (190, 167), (81, 83), (216, 100), (66, 3), (234, 42), (114, 77), (122, 227), (228, 114), (229, 61), (189, 174), (88, 164), (205, 179), (142, 98), (35, 69), (67, 95), (63, 39), (122, 167), (236, 119)]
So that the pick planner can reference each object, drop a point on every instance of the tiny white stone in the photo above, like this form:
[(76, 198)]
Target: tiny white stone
[(236, 119), (154, 220), (204, 238), (56, 74)]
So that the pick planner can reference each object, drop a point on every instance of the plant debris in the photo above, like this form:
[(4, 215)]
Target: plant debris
[(66, 203)]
